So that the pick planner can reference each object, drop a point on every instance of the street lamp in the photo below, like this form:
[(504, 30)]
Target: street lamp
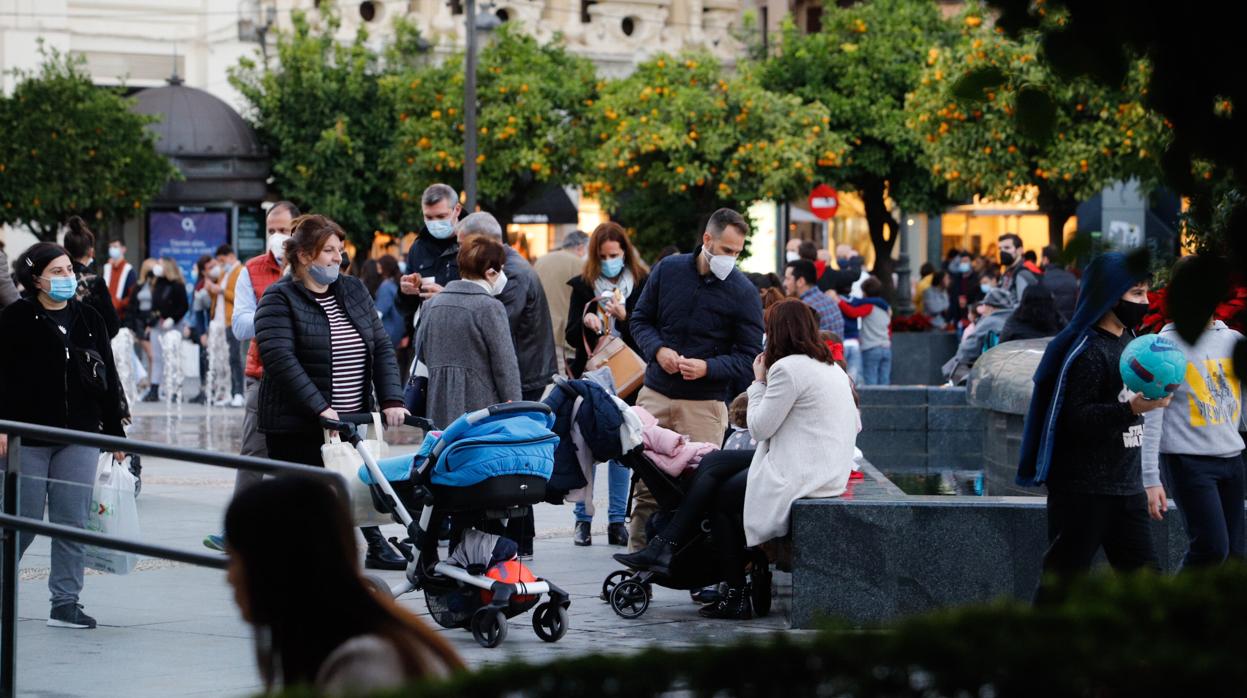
[(486, 21)]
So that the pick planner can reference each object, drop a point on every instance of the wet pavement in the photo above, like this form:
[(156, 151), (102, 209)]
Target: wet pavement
[(171, 629)]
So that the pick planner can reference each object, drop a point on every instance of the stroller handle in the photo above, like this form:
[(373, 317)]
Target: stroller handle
[(507, 408), (345, 422)]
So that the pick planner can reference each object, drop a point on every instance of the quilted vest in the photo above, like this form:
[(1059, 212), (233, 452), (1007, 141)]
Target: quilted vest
[(263, 271)]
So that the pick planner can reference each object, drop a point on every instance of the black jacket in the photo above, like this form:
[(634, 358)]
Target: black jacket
[(169, 301), (528, 314), (292, 332), (98, 297), (599, 420), (576, 334), (1064, 288), (39, 385), (433, 259), (699, 317)]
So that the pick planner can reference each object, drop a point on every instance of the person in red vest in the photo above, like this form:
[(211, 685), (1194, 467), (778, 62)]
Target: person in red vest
[(256, 276), (120, 276)]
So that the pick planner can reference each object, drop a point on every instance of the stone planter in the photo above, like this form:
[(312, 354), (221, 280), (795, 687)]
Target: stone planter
[(918, 356)]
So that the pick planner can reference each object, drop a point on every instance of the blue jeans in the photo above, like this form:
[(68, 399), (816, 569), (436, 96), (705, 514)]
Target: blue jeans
[(877, 366), (853, 359), (1209, 494), (618, 479)]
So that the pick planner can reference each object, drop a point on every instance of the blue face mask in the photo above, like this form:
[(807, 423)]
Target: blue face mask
[(612, 267), (964, 268), (62, 288), (323, 275), (440, 229), (986, 288)]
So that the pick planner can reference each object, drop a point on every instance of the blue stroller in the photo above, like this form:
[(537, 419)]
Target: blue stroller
[(488, 465)]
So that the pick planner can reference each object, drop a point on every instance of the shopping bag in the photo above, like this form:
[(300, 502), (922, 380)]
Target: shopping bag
[(626, 366), (113, 513), (342, 458)]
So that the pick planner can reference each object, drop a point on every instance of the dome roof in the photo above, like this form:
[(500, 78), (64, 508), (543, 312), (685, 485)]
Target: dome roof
[(195, 123)]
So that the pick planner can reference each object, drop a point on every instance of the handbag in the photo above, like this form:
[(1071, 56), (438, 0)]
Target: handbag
[(416, 392), (342, 458), (626, 366), (114, 513)]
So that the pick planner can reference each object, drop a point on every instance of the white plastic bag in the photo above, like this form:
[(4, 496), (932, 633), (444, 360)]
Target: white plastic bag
[(342, 458), (115, 513)]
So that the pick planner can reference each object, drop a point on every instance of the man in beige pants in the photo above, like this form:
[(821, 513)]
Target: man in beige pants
[(699, 325)]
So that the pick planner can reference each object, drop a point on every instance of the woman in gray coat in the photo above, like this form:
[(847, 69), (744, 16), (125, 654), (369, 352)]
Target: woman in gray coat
[(464, 339)]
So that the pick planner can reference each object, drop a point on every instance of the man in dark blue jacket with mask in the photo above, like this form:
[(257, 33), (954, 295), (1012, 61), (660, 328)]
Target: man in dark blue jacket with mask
[(699, 325)]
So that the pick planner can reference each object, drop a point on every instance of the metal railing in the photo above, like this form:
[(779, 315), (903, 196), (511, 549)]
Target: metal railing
[(11, 521)]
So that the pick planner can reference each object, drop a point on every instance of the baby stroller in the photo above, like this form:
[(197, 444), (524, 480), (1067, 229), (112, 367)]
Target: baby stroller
[(693, 566), (488, 465)]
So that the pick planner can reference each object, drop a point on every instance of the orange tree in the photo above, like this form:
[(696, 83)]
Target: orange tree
[(676, 140), (532, 100), (70, 148), (995, 120), (861, 64)]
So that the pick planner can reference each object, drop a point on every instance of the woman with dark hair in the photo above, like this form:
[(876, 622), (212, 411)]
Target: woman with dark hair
[(802, 415), (392, 318), (56, 369), (613, 268), (370, 274), (294, 568), (1036, 316), (324, 352)]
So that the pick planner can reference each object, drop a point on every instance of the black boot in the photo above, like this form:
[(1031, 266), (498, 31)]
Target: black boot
[(617, 534), (582, 536), (153, 394), (734, 605), (380, 555), (654, 557)]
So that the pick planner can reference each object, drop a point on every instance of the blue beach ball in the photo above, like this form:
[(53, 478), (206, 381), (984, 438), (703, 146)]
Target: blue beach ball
[(1153, 365)]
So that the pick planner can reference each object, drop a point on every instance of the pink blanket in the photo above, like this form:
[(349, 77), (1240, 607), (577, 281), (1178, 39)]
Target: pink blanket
[(673, 453)]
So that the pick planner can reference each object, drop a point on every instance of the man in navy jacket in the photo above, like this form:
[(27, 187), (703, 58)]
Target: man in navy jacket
[(699, 325)]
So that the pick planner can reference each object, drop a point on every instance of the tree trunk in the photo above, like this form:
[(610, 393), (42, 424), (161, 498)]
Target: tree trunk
[(1059, 210), (883, 231)]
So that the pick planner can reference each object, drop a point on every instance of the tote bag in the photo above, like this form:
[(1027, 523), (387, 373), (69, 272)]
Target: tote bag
[(611, 352), (342, 458)]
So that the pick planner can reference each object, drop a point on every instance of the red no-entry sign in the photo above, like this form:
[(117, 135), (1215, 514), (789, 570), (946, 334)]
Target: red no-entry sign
[(824, 201)]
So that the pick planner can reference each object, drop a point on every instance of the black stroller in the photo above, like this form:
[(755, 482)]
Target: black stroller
[(457, 596), (694, 564)]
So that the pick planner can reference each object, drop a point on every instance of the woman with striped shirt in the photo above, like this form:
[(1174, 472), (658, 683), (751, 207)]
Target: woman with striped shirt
[(325, 353)]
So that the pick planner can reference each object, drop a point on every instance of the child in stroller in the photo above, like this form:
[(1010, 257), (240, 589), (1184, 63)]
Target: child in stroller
[(692, 563), (488, 465)]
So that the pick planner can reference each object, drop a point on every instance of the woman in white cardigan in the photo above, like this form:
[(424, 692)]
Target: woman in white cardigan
[(803, 416)]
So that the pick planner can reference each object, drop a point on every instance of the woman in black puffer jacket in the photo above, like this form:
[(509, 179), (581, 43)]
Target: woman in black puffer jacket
[(324, 351)]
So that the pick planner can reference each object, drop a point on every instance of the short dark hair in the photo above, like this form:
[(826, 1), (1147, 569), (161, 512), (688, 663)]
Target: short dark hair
[(287, 206), (1052, 254), (872, 287), (724, 217), (925, 269), (224, 250), (804, 269), (1029, 256), (1012, 237), (79, 240), (807, 250)]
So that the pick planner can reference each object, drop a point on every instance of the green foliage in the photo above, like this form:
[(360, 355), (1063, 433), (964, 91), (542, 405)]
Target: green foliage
[(867, 57), (1119, 635), (995, 120), (70, 148), (674, 141), (324, 121), (532, 102)]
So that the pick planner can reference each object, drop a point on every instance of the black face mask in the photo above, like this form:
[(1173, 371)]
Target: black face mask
[(1130, 313), (1007, 259)]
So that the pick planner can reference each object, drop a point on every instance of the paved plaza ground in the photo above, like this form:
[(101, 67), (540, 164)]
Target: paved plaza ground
[(170, 629)]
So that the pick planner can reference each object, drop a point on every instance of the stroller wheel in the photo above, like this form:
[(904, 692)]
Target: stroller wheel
[(612, 580), (550, 621), (629, 599), (489, 627), (378, 585)]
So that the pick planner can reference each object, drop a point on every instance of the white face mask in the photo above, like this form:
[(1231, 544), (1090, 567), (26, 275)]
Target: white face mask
[(158, 271), (215, 272), (500, 282), (791, 256), (277, 245), (721, 265)]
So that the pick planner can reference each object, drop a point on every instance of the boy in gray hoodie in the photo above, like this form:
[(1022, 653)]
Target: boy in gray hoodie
[(1196, 440)]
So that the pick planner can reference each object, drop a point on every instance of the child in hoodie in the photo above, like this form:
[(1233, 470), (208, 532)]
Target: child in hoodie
[(1196, 442), (875, 333)]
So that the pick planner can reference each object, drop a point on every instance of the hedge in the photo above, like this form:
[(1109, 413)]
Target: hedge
[(1112, 635)]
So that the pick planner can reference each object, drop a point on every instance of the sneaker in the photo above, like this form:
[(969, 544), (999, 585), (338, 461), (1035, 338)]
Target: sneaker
[(216, 543), (70, 615), (238, 401)]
